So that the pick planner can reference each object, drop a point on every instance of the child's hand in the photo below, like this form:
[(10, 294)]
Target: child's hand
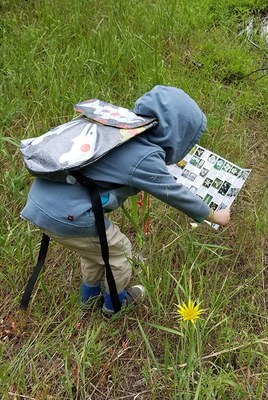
[(221, 217)]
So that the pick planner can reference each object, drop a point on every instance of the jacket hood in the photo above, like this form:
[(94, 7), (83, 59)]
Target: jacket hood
[(181, 122)]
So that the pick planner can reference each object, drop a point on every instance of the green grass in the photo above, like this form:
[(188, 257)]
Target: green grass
[(55, 53)]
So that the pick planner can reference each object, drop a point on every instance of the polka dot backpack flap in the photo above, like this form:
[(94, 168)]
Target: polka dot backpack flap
[(99, 128)]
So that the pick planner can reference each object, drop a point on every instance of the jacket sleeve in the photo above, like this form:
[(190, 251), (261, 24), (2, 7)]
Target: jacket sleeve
[(152, 176)]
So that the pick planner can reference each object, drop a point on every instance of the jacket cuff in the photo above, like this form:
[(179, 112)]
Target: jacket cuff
[(203, 213)]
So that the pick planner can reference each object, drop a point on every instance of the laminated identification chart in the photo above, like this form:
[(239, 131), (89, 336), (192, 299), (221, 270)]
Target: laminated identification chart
[(215, 180)]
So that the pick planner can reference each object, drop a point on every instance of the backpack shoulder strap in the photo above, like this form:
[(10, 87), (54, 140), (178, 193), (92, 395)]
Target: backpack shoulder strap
[(40, 262), (94, 194)]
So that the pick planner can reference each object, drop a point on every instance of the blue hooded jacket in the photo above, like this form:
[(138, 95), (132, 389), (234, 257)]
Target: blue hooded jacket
[(138, 165)]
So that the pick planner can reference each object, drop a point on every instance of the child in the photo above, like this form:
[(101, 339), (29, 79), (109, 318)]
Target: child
[(64, 211)]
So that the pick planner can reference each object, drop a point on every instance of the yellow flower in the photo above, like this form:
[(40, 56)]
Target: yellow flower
[(190, 312)]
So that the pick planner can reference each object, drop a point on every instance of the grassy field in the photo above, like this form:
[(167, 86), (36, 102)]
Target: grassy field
[(55, 53)]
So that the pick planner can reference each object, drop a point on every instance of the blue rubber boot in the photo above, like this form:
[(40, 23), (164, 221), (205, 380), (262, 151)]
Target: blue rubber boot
[(107, 308), (127, 297), (89, 294)]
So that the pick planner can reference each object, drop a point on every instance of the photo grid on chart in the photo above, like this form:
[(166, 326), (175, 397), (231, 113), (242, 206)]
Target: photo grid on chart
[(214, 179)]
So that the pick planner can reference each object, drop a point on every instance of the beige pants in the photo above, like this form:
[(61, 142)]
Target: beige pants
[(92, 265)]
